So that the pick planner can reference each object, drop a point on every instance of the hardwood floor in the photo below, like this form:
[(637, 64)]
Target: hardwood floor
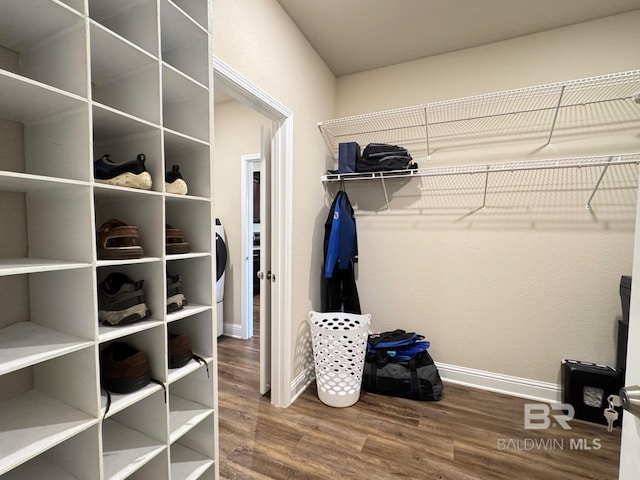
[(469, 434)]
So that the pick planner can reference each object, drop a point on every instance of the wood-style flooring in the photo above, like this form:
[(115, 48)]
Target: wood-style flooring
[(469, 434)]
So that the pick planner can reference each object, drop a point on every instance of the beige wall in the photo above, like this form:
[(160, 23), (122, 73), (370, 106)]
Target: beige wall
[(258, 40), (591, 48), (505, 291), (236, 133)]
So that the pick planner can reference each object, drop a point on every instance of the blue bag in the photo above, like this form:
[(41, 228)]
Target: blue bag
[(397, 364)]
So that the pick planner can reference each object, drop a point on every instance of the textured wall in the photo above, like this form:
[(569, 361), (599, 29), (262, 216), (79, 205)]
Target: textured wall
[(590, 48), (507, 290), (236, 133), (260, 41)]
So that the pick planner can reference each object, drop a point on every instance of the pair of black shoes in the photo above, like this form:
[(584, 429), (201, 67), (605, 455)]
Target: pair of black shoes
[(134, 174), (121, 300)]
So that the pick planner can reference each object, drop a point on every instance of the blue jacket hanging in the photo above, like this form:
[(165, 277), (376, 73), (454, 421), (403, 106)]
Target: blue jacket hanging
[(342, 246)]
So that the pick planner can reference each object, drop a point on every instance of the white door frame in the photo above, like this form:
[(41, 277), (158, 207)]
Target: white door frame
[(246, 207), (281, 220)]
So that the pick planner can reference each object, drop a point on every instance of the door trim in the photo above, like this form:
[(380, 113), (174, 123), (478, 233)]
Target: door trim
[(246, 92), (246, 207)]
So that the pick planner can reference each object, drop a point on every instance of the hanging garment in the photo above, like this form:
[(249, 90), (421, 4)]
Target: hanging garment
[(341, 251), (341, 247)]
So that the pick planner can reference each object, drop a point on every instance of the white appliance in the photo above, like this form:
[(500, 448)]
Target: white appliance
[(221, 266)]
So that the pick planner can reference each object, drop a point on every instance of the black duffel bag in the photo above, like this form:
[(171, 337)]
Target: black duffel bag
[(417, 379), (382, 157)]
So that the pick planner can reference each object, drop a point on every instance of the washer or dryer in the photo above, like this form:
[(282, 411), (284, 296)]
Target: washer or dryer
[(221, 266)]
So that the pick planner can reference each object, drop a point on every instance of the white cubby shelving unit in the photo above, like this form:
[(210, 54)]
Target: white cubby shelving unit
[(587, 127), (80, 79)]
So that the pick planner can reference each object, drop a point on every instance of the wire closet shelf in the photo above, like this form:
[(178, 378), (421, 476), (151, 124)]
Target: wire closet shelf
[(539, 111), (590, 174)]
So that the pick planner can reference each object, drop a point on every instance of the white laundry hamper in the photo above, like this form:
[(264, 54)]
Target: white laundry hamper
[(339, 347)]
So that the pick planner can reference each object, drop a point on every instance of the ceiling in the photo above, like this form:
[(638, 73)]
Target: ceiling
[(357, 35)]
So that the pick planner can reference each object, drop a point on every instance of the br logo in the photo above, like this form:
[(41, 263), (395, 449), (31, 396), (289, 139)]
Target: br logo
[(538, 416)]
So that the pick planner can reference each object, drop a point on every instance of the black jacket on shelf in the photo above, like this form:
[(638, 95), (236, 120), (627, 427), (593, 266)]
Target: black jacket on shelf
[(338, 279)]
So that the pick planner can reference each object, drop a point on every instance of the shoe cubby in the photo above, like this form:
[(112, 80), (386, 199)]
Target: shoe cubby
[(199, 294), (192, 156), (152, 274), (134, 21), (185, 104), (184, 43), (38, 217), (134, 436), (198, 329), (44, 41), (190, 402), (123, 76), (135, 208), (70, 460), (34, 332), (188, 215), (42, 131), (80, 79), (45, 404), (192, 454), (152, 343), (123, 138)]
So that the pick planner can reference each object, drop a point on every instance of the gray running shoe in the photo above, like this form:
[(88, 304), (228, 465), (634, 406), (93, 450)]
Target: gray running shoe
[(121, 300), (175, 298)]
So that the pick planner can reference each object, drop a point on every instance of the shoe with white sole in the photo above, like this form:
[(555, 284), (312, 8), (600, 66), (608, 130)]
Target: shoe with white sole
[(121, 301), (132, 174), (174, 183)]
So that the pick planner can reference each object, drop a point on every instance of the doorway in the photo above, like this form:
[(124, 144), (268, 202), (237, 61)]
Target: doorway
[(256, 272), (276, 347), (251, 234)]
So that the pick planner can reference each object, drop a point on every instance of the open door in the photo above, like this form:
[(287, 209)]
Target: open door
[(265, 274), (630, 446)]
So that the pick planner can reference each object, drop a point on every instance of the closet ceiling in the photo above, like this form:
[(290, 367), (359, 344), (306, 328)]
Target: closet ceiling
[(357, 35)]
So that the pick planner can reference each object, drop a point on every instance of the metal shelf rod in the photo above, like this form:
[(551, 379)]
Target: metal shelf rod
[(426, 131), (595, 188), (555, 115)]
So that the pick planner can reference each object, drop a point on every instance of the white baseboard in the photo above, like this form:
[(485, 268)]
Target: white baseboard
[(301, 382), (233, 330), (497, 382), (470, 377)]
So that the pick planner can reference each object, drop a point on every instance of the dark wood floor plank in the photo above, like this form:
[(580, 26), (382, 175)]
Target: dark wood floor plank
[(458, 438)]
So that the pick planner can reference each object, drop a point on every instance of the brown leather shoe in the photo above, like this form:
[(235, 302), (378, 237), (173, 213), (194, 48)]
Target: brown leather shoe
[(179, 350), (118, 241), (175, 242), (123, 368)]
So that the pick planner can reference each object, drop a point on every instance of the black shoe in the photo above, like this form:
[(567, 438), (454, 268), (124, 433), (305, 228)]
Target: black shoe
[(174, 183), (175, 298), (121, 300), (128, 174)]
